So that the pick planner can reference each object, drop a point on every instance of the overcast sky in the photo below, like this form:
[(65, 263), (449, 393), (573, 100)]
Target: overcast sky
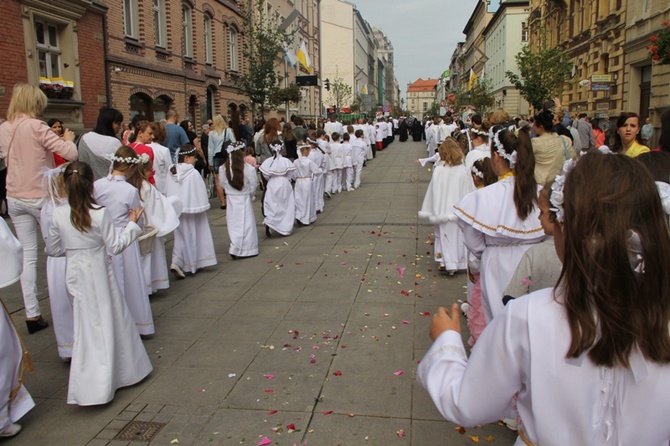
[(424, 33)]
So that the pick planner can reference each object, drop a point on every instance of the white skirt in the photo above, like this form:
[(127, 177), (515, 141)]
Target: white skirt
[(305, 211), (241, 225), (450, 246), (61, 306), (279, 205), (155, 267), (193, 243)]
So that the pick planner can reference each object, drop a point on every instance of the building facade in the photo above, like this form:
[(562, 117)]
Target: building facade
[(56, 42), (505, 34), (646, 89), (421, 96), (473, 54)]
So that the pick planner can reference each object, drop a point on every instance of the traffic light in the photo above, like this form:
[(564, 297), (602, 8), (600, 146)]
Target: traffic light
[(327, 84)]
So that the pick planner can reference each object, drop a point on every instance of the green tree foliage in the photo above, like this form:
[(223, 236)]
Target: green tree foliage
[(263, 49), (481, 95), (542, 72), (340, 94)]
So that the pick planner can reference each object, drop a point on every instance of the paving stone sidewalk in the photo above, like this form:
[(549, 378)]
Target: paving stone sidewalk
[(313, 342)]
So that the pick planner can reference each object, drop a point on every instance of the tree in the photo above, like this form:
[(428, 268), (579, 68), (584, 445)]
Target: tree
[(340, 94), (264, 44), (480, 95), (542, 72)]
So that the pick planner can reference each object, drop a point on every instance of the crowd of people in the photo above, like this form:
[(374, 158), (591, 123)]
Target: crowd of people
[(566, 250), (104, 206)]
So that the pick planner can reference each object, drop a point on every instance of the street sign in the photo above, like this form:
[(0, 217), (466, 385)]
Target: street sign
[(599, 86), (386, 108)]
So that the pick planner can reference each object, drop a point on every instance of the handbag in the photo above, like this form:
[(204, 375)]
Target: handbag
[(221, 154)]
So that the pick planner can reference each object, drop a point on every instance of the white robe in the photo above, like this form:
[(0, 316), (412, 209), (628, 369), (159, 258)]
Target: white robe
[(560, 401), (240, 219), (305, 173), (107, 352), (193, 243), (119, 197), (158, 212), (447, 186), (11, 353), (319, 159), (496, 236), (477, 153), (162, 162), (61, 306), (279, 204)]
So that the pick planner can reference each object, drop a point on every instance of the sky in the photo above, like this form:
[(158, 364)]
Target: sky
[(424, 33)]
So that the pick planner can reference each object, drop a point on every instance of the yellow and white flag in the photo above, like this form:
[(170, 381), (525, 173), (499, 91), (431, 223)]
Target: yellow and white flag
[(303, 57), (473, 78)]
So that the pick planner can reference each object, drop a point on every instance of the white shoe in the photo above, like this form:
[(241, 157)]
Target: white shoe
[(12, 430), (511, 424), (466, 308), (177, 271)]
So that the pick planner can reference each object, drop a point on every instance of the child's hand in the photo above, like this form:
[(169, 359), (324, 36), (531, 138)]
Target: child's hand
[(442, 321), (135, 214)]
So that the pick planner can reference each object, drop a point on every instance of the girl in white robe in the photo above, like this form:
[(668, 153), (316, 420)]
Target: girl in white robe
[(279, 204), (305, 173), (61, 307), (318, 157), (328, 169), (337, 156), (450, 182), (193, 247), (15, 401), (590, 363), (160, 213), (500, 222), (239, 181), (119, 196), (358, 145), (107, 353)]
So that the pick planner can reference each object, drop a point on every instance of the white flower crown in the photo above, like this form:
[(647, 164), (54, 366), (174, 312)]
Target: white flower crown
[(511, 157), (476, 172)]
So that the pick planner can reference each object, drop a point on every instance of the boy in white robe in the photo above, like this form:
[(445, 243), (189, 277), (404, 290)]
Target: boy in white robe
[(305, 173), (318, 157), (359, 148), (338, 162), (347, 164)]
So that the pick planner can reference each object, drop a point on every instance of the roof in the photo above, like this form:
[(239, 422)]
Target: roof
[(423, 85)]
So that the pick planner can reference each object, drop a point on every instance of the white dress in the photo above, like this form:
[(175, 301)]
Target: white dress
[(107, 352), (319, 158), (162, 162), (306, 173), (496, 236), (240, 219), (158, 212), (61, 306), (560, 401), (447, 186), (193, 244), (279, 204), (11, 353), (119, 197)]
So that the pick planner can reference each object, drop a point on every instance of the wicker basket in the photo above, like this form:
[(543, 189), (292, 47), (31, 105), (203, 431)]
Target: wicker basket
[(146, 240)]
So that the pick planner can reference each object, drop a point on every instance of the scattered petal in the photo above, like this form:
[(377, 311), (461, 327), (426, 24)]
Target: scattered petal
[(264, 441), (343, 263), (398, 373), (338, 373), (328, 412), (269, 391), (175, 441), (290, 427), (490, 439), (425, 313), (232, 375), (406, 322), (527, 281), (400, 433), (351, 415), (272, 412), (474, 438), (460, 429), (201, 390), (401, 271), (269, 376)]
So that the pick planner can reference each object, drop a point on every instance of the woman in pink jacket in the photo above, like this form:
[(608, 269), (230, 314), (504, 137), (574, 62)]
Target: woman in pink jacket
[(28, 145)]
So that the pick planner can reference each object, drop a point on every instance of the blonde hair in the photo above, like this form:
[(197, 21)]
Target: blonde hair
[(28, 100), (450, 152), (219, 124)]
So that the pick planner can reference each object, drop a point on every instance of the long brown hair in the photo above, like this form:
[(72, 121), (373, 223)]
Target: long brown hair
[(271, 130), (237, 180), (525, 186), (78, 177), (611, 308), (450, 152)]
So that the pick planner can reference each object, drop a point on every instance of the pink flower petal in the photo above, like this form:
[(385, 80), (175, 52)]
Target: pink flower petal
[(264, 441), (343, 263), (401, 271), (398, 373), (269, 376), (406, 322), (272, 412), (328, 412), (269, 391)]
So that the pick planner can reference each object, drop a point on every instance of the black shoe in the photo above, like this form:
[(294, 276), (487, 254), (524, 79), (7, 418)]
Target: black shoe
[(233, 256), (267, 231), (223, 207), (37, 325)]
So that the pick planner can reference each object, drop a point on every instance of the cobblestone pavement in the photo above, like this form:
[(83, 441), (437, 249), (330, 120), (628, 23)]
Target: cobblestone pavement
[(315, 341)]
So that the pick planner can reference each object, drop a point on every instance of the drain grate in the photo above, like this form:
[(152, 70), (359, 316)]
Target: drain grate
[(143, 431)]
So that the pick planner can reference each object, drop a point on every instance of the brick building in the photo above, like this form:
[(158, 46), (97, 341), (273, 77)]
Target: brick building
[(55, 39), (180, 54)]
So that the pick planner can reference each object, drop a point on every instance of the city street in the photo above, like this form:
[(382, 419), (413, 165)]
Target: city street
[(315, 341)]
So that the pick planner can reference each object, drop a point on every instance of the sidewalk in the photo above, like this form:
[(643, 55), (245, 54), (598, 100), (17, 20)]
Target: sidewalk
[(315, 341)]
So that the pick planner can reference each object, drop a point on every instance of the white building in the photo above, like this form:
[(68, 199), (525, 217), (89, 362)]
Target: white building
[(505, 35)]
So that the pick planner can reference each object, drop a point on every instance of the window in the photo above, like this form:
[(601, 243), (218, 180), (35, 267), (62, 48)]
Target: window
[(48, 50), (160, 23), (131, 23), (524, 32), (208, 39), (187, 29), (233, 49), (425, 106)]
